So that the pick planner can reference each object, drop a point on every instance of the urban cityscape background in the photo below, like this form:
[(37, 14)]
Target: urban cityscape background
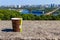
[(30, 9), (25, 8)]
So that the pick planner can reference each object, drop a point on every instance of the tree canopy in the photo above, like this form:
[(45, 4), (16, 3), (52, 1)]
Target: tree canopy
[(8, 14)]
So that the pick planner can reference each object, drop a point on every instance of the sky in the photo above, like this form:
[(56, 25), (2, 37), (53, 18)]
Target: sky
[(28, 2)]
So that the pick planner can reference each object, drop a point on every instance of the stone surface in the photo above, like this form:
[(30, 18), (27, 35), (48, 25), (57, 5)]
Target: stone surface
[(32, 30)]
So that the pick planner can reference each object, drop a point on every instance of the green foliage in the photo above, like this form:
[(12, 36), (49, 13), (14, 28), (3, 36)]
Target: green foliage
[(8, 14), (46, 10), (28, 17), (42, 17)]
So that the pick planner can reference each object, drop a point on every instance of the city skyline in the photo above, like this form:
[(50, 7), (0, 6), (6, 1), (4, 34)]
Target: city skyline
[(28, 2)]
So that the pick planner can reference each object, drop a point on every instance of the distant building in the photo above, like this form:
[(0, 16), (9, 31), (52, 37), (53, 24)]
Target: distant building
[(47, 6), (53, 5), (17, 6), (59, 5)]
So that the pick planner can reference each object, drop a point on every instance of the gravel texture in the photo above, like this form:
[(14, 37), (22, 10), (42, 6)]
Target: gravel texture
[(32, 30)]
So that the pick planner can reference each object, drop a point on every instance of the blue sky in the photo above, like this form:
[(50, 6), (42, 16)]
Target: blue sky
[(26, 2)]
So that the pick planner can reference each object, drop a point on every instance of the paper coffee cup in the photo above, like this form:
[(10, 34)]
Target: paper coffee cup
[(17, 24)]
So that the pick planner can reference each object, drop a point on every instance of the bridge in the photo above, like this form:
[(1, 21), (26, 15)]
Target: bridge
[(52, 11)]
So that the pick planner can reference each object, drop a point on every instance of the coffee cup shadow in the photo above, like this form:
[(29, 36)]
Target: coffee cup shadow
[(7, 30)]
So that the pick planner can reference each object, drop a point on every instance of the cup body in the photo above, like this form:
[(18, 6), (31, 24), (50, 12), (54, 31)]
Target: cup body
[(17, 24)]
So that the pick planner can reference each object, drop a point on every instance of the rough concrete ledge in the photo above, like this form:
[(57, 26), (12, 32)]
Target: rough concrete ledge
[(32, 30)]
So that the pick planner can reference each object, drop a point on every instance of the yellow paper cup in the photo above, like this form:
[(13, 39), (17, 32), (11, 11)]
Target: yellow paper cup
[(17, 24), (21, 25)]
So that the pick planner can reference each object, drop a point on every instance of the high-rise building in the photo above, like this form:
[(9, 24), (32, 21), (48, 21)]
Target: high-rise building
[(17, 6)]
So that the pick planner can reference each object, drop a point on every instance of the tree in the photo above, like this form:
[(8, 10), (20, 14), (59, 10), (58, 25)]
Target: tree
[(28, 17), (8, 14)]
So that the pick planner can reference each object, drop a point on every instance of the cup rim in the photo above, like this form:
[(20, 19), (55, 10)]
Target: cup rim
[(16, 18)]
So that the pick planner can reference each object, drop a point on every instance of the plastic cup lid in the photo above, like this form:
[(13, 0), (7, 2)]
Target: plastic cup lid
[(16, 18)]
